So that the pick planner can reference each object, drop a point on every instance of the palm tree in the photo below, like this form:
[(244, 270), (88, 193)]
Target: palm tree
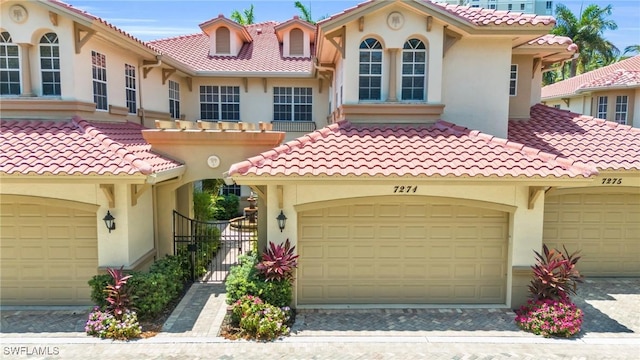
[(586, 31), (304, 11), (244, 18), (631, 50)]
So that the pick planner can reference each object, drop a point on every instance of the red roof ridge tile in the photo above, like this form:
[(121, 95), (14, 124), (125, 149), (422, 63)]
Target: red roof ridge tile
[(144, 167)]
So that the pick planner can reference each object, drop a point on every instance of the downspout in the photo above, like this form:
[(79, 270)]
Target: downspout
[(145, 66)]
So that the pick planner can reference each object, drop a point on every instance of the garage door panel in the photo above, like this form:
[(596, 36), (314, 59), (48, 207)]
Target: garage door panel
[(606, 232), (49, 255), (448, 254)]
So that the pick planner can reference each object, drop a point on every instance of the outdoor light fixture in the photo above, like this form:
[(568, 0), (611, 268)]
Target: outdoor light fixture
[(282, 220), (109, 220)]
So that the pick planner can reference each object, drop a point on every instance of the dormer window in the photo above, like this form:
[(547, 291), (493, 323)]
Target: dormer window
[(296, 42), (296, 37), (223, 40), (226, 37)]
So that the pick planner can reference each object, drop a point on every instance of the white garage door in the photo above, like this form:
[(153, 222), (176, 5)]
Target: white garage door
[(605, 227), (48, 253), (410, 253)]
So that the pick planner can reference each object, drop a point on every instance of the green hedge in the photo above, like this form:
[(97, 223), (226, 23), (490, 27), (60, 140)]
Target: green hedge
[(244, 279), (150, 291)]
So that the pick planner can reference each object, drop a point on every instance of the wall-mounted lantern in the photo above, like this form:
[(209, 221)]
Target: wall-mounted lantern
[(282, 220), (109, 220)]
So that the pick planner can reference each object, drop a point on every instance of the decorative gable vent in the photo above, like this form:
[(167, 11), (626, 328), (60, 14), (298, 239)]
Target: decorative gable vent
[(226, 37), (296, 37)]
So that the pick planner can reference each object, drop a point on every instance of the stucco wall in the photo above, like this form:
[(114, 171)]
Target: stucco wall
[(520, 104), (476, 85)]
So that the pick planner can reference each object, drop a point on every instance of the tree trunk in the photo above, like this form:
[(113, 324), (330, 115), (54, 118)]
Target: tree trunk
[(574, 67)]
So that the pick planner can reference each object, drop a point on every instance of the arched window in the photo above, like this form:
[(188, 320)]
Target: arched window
[(223, 41), (414, 63), (50, 64), (9, 66), (296, 42), (370, 82)]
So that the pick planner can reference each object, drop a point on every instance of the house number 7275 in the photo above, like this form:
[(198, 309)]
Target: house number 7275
[(404, 189), (611, 181)]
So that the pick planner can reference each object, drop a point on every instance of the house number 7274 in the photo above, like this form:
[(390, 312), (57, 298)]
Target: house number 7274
[(404, 189)]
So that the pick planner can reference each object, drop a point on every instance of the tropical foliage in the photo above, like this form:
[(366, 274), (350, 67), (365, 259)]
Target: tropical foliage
[(245, 17), (278, 262), (587, 31)]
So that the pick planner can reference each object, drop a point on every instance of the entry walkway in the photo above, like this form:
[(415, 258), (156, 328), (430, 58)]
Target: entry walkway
[(610, 306)]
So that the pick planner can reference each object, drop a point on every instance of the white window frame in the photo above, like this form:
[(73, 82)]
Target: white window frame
[(99, 75), (413, 49), (130, 88), (231, 190), (622, 109), (513, 80), (7, 72), (371, 47), (296, 102), (602, 107), (50, 65), (220, 98), (174, 99)]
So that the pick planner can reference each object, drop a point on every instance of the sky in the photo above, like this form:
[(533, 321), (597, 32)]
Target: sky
[(156, 19)]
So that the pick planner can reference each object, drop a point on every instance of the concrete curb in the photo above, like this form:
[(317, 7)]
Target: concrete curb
[(330, 339)]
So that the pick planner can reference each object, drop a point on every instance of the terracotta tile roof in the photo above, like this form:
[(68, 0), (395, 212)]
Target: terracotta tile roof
[(576, 83), (77, 147), (263, 54), (473, 16), (442, 150), (587, 141), (492, 17), (618, 78), (92, 17), (551, 39)]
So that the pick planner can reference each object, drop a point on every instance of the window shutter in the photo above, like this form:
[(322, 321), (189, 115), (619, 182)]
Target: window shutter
[(223, 41), (296, 42)]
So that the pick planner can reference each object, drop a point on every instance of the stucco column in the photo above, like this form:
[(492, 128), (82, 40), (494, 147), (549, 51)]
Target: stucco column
[(25, 65), (393, 54), (262, 221)]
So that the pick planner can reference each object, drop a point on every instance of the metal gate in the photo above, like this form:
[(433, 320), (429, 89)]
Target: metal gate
[(213, 247)]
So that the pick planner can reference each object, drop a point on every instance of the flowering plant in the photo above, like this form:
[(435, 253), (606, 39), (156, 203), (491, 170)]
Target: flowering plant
[(259, 320), (550, 317), (104, 324)]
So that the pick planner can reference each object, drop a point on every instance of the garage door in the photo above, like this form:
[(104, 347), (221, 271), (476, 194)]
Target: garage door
[(48, 253), (402, 253), (605, 227)]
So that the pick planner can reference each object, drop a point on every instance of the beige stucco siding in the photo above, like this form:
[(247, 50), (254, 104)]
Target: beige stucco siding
[(520, 104)]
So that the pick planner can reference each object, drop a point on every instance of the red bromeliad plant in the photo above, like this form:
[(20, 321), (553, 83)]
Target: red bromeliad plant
[(555, 275), (117, 293), (278, 262)]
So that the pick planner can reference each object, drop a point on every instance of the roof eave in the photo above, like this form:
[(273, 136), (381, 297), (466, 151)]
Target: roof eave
[(262, 74)]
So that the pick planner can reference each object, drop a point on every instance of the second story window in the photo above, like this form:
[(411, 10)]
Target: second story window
[(174, 99), (414, 62), (370, 81), (621, 109), (521, 6), (513, 80), (509, 6), (292, 104), (220, 103), (9, 66), (601, 111), (223, 40), (50, 64), (231, 190), (99, 71), (130, 87), (296, 42)]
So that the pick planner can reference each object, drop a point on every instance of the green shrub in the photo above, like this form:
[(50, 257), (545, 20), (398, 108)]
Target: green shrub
[(245, 279), (203, 207), (151, 291), (207, 244), (226, 207), (258, 319)]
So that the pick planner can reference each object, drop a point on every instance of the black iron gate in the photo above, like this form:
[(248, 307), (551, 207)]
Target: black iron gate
[(213, 247)]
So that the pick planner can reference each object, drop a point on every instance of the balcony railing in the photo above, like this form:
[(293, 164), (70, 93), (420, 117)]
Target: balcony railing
[(294, 126)]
